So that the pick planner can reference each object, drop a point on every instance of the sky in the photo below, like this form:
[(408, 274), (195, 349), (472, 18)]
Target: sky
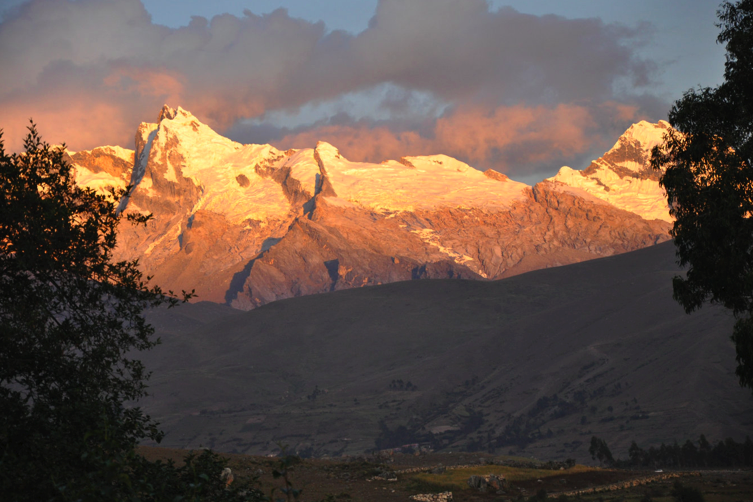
[(522, 87)]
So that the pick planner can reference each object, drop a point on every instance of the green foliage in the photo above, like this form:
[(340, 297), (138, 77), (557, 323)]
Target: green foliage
[(69, 319), (727, 453), (125, 476), (285, 465), (393, 439), (709, 185), (600, 450)]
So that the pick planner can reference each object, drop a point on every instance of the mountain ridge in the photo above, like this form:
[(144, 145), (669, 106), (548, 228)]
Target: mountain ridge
[(250, 224)]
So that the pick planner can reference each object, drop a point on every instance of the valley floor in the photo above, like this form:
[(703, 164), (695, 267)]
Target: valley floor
[(398, 477)]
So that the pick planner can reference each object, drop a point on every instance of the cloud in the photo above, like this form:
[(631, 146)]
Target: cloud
[(516, 139), (89, 71), (88, 106)]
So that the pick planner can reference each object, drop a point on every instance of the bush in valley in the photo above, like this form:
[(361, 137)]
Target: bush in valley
[(472, 421), (470, 383), (553, 465), (400, 385), (599, 450), (400, 436), (727, 453), (316, 393)]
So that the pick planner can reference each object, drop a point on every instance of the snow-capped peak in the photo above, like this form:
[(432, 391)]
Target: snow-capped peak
[(647, 134), (180, 152), (623, 176), (181, 156)]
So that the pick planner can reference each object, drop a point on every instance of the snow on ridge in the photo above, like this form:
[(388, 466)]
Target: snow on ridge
[(416, 183), (98, 178), (120, 152), (631, 190), (99, 182), (429, 236), (234, 179), (643, 197), (438, 162), (304, 168)]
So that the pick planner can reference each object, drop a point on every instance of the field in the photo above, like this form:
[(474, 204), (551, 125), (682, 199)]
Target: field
[(351, 479)]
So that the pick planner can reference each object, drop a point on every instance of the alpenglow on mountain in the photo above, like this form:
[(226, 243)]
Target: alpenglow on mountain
[(249, 224)]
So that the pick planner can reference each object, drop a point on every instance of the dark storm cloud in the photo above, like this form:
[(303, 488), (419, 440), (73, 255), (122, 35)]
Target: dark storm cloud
[(89, 70)]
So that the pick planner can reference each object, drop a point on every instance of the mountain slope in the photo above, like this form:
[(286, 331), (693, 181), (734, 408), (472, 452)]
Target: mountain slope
[(623, 176), (340, 248), (495, 364), (249, 224)]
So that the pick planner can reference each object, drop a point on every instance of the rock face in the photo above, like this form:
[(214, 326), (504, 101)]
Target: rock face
[(623, 176), (249, 224)]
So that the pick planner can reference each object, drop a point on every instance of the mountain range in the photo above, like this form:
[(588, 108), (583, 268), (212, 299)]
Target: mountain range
[(246, 225)]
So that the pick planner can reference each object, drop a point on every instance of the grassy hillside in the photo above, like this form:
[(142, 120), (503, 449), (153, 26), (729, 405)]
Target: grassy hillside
[(530, 365)]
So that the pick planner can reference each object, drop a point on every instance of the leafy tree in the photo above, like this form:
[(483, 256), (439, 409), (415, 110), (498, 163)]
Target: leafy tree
[(636, 454), (69, 319), (709, 183), (704, 451), (599, 450), (727, 453)]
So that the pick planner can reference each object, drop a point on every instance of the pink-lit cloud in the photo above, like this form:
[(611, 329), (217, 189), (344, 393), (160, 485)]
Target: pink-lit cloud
[(501, 138), (88, 71)]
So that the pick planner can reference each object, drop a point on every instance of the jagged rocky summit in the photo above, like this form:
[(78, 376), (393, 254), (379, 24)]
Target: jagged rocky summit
[(250, 224)]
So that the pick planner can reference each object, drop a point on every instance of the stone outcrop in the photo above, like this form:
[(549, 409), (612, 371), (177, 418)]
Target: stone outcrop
[(249, 224), (489, 483)]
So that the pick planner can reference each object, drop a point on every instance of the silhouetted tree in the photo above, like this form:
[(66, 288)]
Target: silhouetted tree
[(708, 181), (727, 453), (70, 318)]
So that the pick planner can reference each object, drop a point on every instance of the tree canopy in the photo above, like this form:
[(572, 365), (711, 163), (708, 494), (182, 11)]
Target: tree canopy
[(708, 178), (70, 318)]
